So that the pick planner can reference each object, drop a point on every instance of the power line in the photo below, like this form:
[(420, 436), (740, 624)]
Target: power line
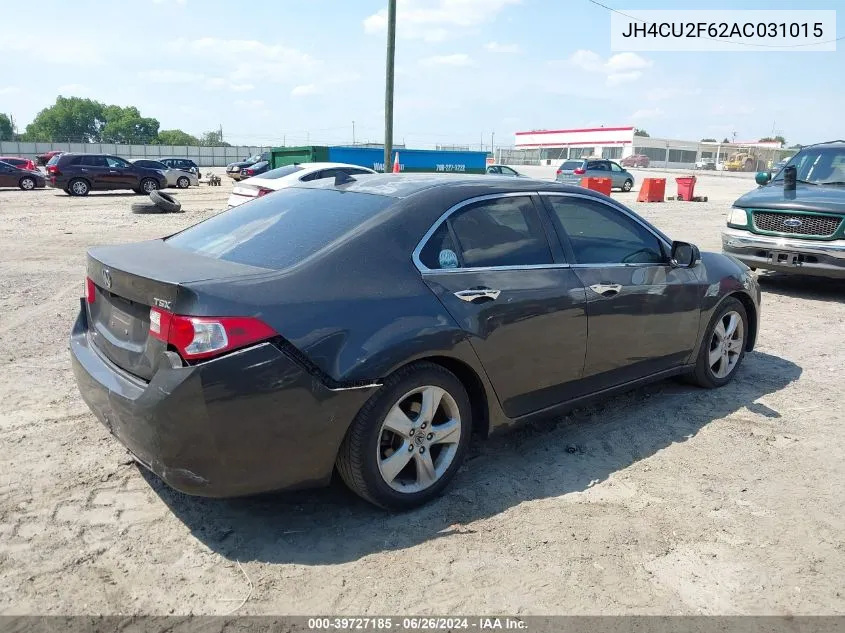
[(717, 39)]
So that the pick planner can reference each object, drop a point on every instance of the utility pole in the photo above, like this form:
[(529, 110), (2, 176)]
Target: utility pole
[(353, 132), (388, 87), (220, 134), (492, 146)]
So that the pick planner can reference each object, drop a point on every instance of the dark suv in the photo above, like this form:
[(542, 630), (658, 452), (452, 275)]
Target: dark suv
[(184, 164), (77, 174)]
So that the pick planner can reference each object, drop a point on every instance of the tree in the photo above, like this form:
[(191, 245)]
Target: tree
[(796, 146), (69, 119), (176, 137), (126, 125), (640, 132), (7, 131), (708, 140), (773, 139), (214, 138)]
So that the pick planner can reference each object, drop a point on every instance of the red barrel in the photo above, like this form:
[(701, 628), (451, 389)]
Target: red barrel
[(686, 187)]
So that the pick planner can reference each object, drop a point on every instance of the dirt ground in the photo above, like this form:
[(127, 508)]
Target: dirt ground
[(674, 499)]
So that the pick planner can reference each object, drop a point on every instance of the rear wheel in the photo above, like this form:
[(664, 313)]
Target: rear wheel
[(723, 347), (27, 183), (78, 187), (628, 185), (409, 439)]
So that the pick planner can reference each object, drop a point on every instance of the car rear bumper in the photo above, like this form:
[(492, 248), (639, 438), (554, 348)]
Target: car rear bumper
[(249, 422), (783, 254)]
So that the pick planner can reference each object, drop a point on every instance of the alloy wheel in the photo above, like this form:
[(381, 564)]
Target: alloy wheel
[(27, 183), (150, 186), (726, 344), (418, 439), (80, 188)]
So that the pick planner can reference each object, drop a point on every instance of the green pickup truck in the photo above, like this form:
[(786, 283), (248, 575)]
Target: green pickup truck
[(795, 221)]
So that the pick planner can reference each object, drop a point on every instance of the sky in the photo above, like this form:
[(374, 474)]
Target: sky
[(467, 71)]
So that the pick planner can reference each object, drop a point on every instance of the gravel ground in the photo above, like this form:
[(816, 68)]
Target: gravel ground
[(676, 500)]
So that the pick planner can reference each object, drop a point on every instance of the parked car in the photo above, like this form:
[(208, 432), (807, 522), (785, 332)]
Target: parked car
[(372, 326), (43, 159), (183, 164), (634, 160), (288, 176), (706, 164), (256, 169), (14, 176), (800, 230), (22, 163), (78, 174), (572, 171), (175, 177), (503, 170), (233, 170)]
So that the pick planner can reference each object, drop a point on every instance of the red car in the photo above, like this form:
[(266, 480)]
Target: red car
[(20, 163), (44, 158), (635, 160)]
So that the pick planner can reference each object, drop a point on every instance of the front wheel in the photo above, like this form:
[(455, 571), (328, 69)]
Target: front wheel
[(183, 182), (723, 346), (148, 185), (408, 441), (27, 183), (628, 185)]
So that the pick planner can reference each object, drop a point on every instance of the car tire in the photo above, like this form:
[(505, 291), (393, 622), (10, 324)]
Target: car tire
[(167, 202), (183, 182), (78, 187), (364, 458), (627, 185), (146, 207), (27, 184), (709, 356), (148, 185)]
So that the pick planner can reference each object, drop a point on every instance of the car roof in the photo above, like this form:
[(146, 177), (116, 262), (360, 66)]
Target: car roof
[(407, 185), (839, 144)]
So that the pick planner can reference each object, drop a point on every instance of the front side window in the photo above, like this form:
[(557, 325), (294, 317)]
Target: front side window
[(499, 232), (615, 167), (116, 163), (508, 171), (600, 234)]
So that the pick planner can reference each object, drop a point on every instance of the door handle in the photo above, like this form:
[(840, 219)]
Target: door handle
[(112, 171), (85, 170), (606, 290), (478, 294)]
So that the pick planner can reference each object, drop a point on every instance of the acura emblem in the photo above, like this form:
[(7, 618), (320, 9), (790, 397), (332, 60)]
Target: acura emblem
[(106, 277), (793, 222)]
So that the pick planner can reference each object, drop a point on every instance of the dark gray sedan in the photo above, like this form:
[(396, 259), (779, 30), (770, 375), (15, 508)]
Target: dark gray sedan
[(372, 324), (572, 171), (12, 176)]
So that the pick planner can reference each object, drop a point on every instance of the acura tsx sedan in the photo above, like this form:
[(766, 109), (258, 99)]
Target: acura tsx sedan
[(372, 324)]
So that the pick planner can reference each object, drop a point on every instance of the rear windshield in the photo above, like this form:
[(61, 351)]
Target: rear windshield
[(280, 172), (572, 164), (280, 230), (54, 159)]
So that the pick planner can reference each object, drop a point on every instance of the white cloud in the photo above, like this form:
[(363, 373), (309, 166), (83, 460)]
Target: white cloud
[(170, 76), (182, 2), (77, 51), (437, 20), (458, 59), (667, 94), (69, 89), (495, 47), (617, 69), (323, 85), (10, 90), (304, 90), (646, 113)]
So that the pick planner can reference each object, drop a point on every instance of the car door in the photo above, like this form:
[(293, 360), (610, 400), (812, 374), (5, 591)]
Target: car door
[(490, 262), (122, 174), (94, 168), (8, 176), (618, 174), (597, 169), (642, 313)]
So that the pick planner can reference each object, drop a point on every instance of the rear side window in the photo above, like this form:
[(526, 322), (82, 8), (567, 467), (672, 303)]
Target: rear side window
[(92, 160), (572, 164), (281, 172), (281, 230), (54, 159), (500, 232)]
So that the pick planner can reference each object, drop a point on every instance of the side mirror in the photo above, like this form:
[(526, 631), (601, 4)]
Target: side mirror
[(763, 178), (684, 255)]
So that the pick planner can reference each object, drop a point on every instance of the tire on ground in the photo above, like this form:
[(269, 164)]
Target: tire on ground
[(702, 374), (146, 207), (167, 202)]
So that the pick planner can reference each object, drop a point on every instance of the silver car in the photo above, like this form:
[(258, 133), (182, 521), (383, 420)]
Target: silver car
[(572, 171), (175, 177)]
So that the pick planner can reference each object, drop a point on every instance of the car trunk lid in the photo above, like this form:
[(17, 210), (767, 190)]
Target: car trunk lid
[(126, 281)]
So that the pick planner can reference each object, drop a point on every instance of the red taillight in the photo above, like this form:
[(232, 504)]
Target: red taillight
[(196, 338), (579, 171), (90, 290), (53, 169), (263, 191), (248, 172), (559, 172)]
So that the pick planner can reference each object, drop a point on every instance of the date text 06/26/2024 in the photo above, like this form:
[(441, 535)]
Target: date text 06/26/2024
[(417, 624)]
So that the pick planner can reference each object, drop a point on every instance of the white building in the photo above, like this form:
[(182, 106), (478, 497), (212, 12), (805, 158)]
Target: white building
[(615, 143)]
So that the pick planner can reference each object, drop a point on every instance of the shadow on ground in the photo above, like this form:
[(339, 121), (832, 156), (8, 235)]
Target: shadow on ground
[(540, 460), (802, 286)]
